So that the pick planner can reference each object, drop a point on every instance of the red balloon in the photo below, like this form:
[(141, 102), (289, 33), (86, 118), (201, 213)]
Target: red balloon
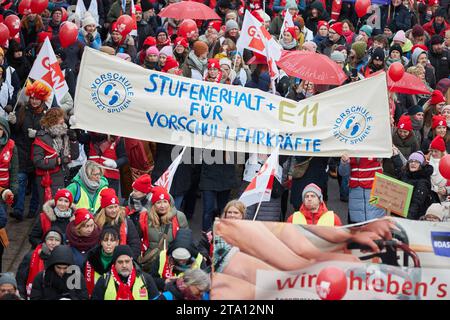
[(4, 34), (187, 28), (38, 6), (68, 34), (361, 7), (396, 71), (124, 24), (13, 24), (64, 15), (25, 7), (331, 284), (444, 166)]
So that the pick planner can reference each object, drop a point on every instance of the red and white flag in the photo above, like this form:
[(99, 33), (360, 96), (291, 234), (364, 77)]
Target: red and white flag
[(256, 38), (260, 188), (46, 69), (166, 178), (288, 22)]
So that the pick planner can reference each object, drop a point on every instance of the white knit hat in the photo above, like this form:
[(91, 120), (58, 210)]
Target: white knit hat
[(225, 61), (437, 210), (167, 51), (88, 20)]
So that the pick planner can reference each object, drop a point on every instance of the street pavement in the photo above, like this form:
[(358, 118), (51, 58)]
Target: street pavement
[(18, 231)]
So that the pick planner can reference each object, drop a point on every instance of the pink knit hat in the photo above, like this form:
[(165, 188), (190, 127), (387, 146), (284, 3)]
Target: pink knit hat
[(400, 36), (152, 50)]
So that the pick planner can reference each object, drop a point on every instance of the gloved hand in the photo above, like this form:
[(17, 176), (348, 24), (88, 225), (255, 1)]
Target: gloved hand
[(31, 133), (12, 118), (72, 135), (8, 197), (110, 164), (72, 121)]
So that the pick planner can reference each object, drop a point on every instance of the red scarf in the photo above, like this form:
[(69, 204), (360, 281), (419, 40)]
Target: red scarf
[(124, 292), (36, 266)]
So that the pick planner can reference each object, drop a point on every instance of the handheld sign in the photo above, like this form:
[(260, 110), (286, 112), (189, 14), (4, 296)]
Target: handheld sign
[(391, 194)]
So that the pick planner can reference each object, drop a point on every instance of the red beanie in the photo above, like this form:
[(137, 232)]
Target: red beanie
[(438, 144), (291, 30), (63, 193), (216, 24), (433, 2), (421, 46), (405, 123), (42, 35), (159, 193), (180, 41), (171, 63), (144, 182), (149, 41), (82, 215), (322, 23), (337, 27), (437, 97), (213, 63), (108, 197), (438, 121), (138, 8)]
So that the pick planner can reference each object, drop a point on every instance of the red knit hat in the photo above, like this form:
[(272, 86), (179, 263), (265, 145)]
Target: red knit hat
[(337, 27), (291, 30), (42, 35), (437, 97), (433, 2), (144, 182), (159, 193), (82, 215), (149, 41), (438, 121), (180, 41), (213, 63), (108, 197), (138, 8), (171, 63), (322, 23), (438, 144), (405, 123), (421, 46), (63, 193), (216, 24)]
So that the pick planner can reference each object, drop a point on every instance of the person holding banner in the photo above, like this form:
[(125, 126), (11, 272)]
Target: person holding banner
[(121, 43), (438, 182), (54, 147), (197, 61)]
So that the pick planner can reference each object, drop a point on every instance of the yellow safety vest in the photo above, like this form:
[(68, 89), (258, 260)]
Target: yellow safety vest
[(139, 291), (326, 220), (162, 264), (85, 202)]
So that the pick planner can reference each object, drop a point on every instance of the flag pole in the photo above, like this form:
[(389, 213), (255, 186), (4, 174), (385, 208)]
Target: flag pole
[(259, 205), (19, 95)]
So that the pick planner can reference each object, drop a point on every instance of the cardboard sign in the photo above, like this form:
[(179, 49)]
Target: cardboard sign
[(391, 194)]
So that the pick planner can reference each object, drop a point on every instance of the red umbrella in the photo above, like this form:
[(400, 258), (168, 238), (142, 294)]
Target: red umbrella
[(408, 84), (311, 66), (189, 10)]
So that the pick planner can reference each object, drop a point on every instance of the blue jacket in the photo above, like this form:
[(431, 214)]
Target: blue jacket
[(96, 44)]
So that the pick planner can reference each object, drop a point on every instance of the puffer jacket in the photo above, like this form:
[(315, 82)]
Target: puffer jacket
[(420, 180)]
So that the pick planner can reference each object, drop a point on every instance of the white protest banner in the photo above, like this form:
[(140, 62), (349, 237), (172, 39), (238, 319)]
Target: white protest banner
[(123, 99), (46, 68)]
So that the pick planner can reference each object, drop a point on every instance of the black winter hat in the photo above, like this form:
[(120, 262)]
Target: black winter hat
[(378, 54), (396, 47), (60, 255), (441, 12), (122, 250), (224, 4), (414, 110), (436, 39)]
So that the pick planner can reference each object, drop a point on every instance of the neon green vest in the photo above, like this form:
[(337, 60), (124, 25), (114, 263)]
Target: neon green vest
[(163, 264), (326, 220), (85, 202), (111, 292)]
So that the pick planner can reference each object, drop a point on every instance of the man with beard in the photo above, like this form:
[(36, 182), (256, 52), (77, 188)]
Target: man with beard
[(438, 25), (54, 283), (125, 281), (439, 57)]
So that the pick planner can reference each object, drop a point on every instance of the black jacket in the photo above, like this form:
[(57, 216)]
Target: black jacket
[(217, 177), (441, 63), (400, 18), (93, 257), (420, 180), (326, 45), (143, 30), (100, 286), (133, 239)]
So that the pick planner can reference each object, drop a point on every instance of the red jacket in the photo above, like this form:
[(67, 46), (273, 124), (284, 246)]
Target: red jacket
[(362, 172), (428, 27)]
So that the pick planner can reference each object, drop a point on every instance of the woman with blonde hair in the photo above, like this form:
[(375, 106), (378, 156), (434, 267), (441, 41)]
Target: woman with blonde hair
[(112, 214), (234, 209), (158, 227)]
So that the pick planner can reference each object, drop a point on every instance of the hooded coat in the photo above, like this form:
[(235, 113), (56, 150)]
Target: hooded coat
[(49, 286)]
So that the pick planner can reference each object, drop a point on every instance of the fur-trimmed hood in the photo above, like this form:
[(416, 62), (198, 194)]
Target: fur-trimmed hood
[(48, 209)]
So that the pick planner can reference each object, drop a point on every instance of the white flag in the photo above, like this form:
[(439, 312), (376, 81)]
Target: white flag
[(288, 22), (46, 69), (256, 38), (260, 188), (166, 178)]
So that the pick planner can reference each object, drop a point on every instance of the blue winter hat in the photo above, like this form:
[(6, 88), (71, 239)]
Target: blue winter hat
[(367, 30), (414, 110), (161, 30)]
